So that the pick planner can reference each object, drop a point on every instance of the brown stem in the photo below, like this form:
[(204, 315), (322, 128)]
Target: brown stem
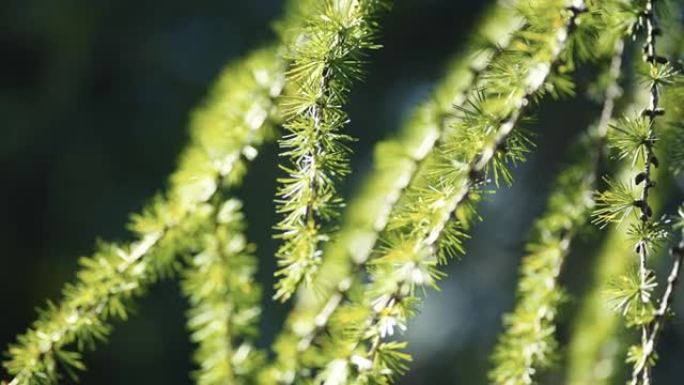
[(641, 374)]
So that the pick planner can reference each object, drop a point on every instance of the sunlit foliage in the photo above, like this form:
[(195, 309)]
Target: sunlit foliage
[(360, 272)]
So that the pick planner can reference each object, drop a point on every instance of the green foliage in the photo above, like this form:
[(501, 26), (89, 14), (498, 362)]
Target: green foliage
[(224, 301), (412, 216), (105, 285), (630, 139), (326, 59), (595, 354), (396, 162), (421, 220), (225, 132), (636, 138), (652, 234), (632, 298), (528, 342), (594, 350), (616, 203), (407, 255), (644, 356)]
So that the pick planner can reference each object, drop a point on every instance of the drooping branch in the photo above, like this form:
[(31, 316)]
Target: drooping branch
[(642, 371), (224, 300), (528, 341), (225, 133), (636, 138), (411, 251), (655, 327), (397, 162), (327, 58), (392, 290), (419, 212), (595, 351)]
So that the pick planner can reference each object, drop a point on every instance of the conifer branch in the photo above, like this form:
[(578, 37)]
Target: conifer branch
[(409, 221), (636, 138), (596, 348), (327, 58), (647, 357), (410, 261), (224, 300), (409, 258), (224, 134), (106, 283), (597, 345), (397, 162), (388, 182), (650, 56), (528, 342)]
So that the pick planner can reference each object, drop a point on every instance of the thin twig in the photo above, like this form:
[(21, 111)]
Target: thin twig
[(656, 325), (642, 375)]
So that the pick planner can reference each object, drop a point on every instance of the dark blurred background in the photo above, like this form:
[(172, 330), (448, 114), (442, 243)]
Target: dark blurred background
[(94, 99)]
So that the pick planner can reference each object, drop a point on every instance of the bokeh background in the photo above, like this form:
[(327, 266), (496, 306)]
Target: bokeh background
[(94, 100)]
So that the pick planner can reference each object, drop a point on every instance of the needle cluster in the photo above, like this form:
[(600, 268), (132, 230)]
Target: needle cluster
[(366, 280)]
